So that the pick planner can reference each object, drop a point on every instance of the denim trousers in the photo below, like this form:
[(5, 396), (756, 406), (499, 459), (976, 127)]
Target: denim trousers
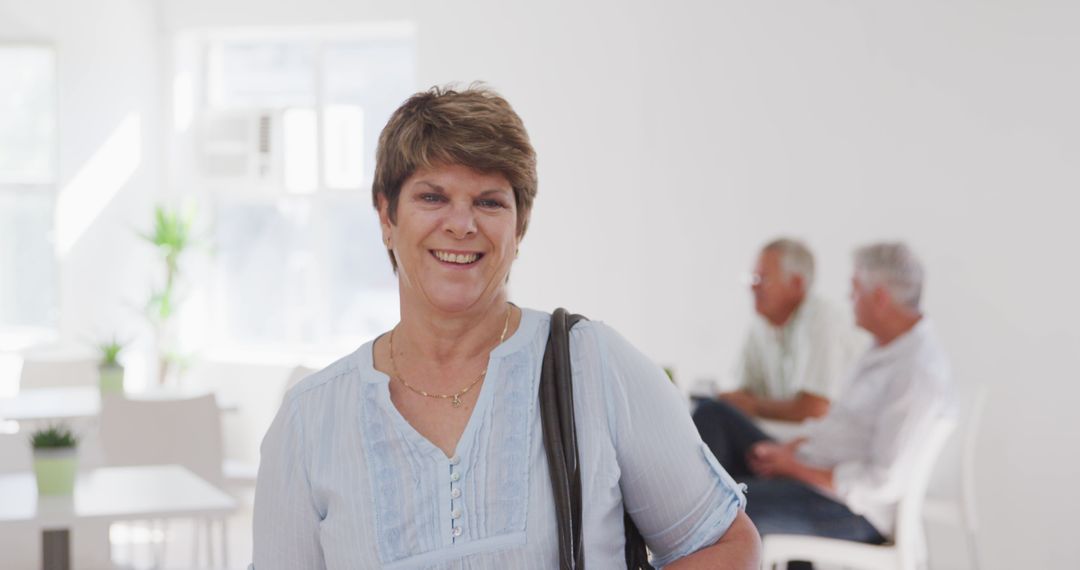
[(776, 505)]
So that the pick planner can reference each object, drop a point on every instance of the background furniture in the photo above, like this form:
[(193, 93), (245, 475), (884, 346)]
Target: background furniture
[(104, 495), (186, 432), (55, 372), (908, 549), (259, 390), (960, 511), (79, 402)]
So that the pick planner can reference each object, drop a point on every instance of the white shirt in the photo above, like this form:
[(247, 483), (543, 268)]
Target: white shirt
[(812, 352), (345, 482), (894, 395)]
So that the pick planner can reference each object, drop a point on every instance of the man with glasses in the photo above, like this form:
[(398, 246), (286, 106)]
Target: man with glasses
[(796, 353), (844, 478)]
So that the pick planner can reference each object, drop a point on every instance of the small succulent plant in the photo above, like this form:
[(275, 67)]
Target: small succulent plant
[(110, 352), (54, 437)]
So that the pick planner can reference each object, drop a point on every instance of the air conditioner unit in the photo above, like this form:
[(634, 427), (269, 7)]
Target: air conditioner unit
[(241, 149)]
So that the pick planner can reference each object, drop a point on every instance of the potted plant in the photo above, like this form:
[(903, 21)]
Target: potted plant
[(172, 236), (54, 459), (110, 372)]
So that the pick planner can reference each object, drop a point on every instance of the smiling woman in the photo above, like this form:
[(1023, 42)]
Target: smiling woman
[(455, 236), (423, 448)]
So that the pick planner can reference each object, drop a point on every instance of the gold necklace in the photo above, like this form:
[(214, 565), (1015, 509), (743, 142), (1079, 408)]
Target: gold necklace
[(455, 398)]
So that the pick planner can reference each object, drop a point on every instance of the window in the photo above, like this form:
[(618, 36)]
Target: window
[(27, 192), (286, 152)]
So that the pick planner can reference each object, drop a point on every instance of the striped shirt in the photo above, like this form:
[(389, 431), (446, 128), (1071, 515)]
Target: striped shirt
[(346, 482)]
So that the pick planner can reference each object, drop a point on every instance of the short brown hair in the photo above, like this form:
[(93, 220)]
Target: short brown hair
[(474, 127)]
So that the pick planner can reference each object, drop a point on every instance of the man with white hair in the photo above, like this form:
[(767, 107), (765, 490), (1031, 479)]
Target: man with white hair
[(845, 477), (797, 352)]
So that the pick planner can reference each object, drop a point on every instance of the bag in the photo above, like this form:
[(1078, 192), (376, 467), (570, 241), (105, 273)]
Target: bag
[(560, 445)]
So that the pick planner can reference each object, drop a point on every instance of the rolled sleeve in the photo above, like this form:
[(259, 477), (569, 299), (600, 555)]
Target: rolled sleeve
[(673, 488), (709, 520)]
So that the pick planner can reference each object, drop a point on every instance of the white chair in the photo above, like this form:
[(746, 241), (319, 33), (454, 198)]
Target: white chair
[(295, 376), (257, 388), (21, 546), (244, 473), (184, 432), (15, 453), (962, 512), (908, 549), (57, 372)]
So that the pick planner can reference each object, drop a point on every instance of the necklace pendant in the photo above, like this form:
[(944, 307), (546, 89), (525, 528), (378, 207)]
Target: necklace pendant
[(455, 401)]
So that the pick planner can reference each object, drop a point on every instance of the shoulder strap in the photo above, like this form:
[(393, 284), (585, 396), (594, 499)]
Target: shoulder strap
[(560, 445), (560, 438)]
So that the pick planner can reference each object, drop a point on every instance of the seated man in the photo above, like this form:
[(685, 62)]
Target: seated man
[(795, 355), (845, 477)]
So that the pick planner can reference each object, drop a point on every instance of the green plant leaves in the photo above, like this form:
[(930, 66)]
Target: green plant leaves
[(57, 436)]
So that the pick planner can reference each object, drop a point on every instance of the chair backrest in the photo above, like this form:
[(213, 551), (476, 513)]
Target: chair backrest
[(51, 373), (909, 536), (972, 424), (15, 452), (185, 432), (295, 376)]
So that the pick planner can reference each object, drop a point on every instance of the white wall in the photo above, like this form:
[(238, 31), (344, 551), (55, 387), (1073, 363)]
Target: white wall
[(108, 110), (675, 138)]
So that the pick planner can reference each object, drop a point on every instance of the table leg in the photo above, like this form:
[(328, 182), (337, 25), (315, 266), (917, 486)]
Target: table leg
[(56, 550)]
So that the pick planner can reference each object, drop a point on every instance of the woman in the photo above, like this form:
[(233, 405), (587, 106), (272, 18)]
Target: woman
[(423, 448)]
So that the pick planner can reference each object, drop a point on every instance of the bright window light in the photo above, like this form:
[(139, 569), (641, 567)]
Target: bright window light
[(27, 115), (28, 298), (300, 147), (344, 146), (97, 182), (299, 264)]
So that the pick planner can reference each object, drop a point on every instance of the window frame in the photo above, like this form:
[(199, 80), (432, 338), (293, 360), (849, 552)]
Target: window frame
[(16, 337), (216, 195)]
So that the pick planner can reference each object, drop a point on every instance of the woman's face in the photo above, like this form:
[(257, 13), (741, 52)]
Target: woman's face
[(455, 236)]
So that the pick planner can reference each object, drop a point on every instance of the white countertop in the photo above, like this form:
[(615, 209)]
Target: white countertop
[(76, 402), (113, 493)]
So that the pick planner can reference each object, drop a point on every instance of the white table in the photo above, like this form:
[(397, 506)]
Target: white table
[(108, 494), (76, 402)]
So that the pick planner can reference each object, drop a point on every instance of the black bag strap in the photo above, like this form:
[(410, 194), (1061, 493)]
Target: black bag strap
[(560, 445)]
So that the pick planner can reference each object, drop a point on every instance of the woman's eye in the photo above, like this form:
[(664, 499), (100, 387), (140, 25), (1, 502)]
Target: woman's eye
[(431, 198), (489, 203)]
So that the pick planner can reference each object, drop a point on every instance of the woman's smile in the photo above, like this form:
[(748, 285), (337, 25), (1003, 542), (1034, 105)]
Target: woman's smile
[(455, 237), (456, 258)]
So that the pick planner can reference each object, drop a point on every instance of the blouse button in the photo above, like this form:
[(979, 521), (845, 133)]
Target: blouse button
[(455, 514), (455, 476), (455, 493), (455, 460), (456, 532)]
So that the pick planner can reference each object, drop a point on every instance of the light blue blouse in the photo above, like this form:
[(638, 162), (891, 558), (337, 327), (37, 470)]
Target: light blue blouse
[(346, 482)]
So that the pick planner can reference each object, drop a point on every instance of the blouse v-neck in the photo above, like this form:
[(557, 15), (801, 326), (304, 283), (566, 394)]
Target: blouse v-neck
[(516, 341)]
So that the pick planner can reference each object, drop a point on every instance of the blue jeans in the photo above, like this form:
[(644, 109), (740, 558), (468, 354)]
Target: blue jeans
[(729, 433), (786, 506), (776, 505)]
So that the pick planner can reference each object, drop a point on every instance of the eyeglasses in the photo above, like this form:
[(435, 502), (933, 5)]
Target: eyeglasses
[(752, 279)]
